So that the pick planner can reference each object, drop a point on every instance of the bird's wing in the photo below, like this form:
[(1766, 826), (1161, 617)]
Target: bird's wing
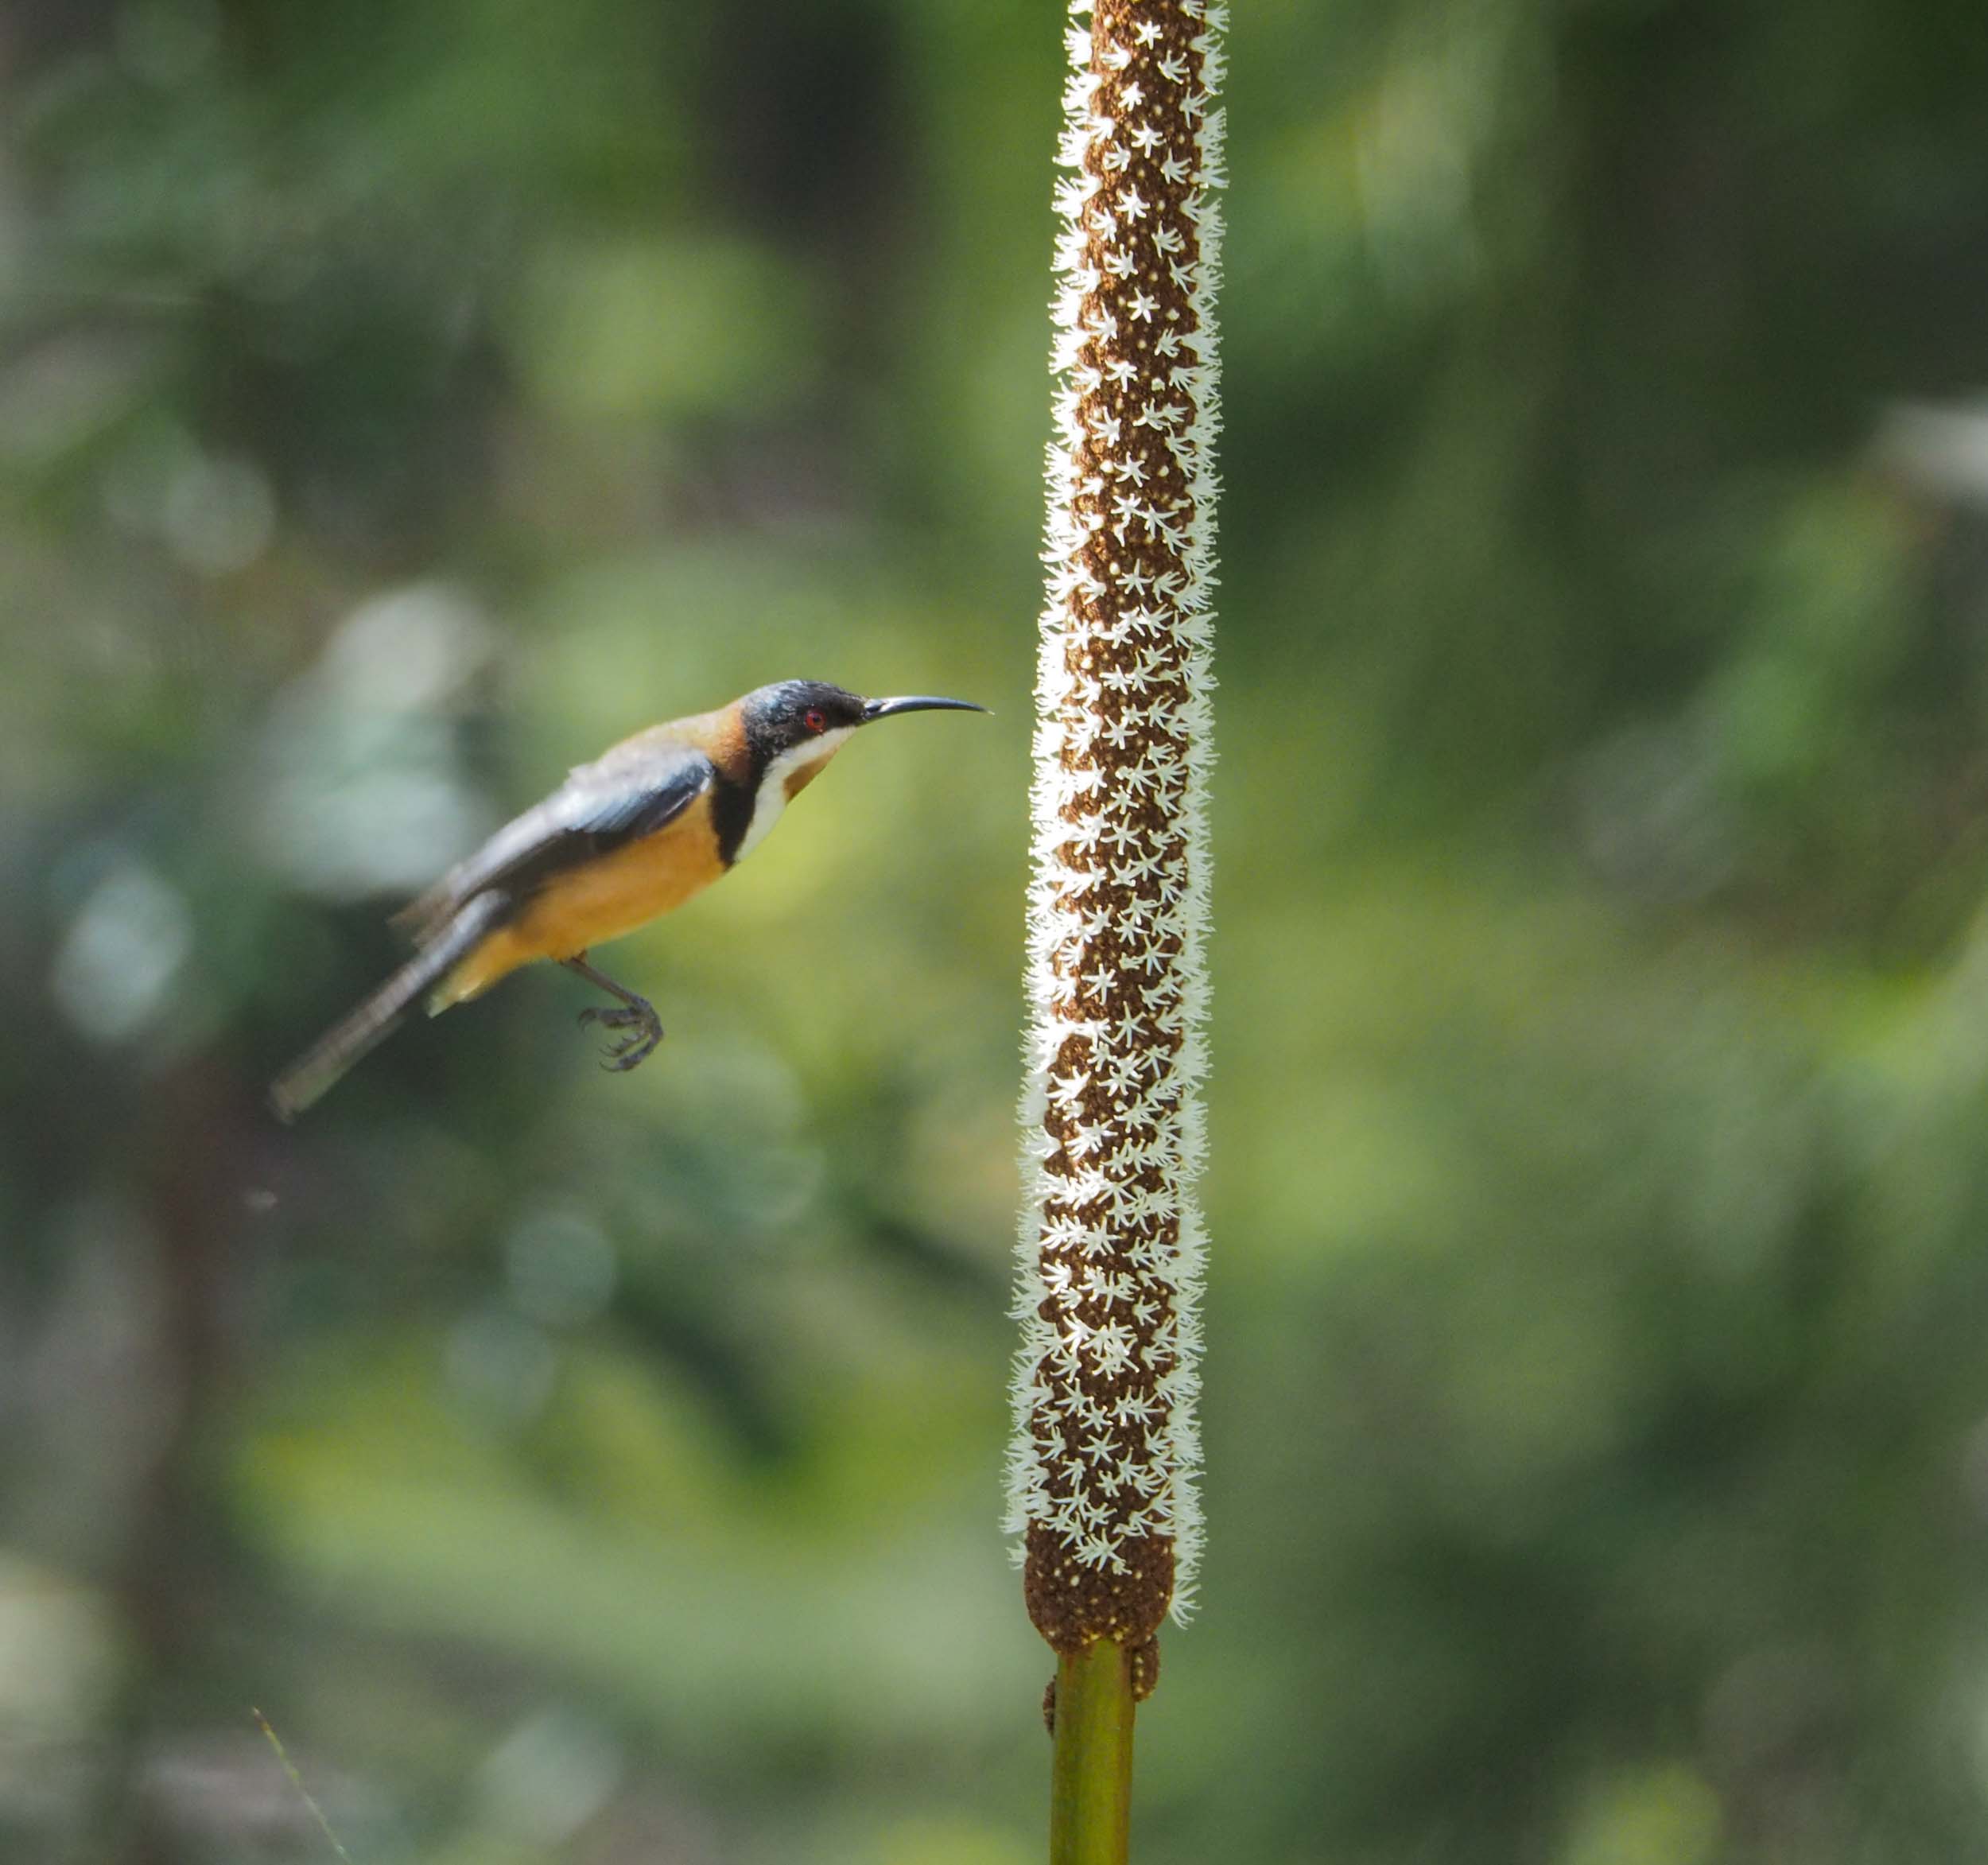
[(637, 789)]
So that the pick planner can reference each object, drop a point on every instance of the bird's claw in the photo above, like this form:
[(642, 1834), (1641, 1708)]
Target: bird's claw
[(643, 1026)]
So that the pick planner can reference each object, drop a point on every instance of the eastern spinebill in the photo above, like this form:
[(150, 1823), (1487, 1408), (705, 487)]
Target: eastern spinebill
[(635, 834)]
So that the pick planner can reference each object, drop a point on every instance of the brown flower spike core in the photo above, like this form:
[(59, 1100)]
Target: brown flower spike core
[(1102, 1472)]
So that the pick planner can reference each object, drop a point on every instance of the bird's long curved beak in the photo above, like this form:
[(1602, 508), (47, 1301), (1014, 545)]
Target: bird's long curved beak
[(884, 708)]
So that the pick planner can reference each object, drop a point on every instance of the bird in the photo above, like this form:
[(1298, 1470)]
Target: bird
[(653, 821)]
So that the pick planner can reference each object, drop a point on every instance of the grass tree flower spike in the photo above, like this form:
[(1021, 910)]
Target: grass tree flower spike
[(1106, 1452)]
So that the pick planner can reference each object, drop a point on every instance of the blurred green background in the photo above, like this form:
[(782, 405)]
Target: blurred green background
[(398, 401)]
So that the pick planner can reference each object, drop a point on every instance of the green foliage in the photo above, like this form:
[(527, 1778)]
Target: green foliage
[(398, 403)]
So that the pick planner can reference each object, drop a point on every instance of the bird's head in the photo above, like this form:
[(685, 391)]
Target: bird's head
[(795, 726)]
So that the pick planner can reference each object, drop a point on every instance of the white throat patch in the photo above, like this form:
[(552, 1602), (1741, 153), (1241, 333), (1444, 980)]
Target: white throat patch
[(798, 760)]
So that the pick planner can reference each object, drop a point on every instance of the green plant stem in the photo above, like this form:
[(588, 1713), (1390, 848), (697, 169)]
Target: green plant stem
[(1091, 1774)]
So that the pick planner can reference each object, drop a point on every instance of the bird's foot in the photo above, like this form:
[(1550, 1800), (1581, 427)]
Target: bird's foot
[(644, 1029)]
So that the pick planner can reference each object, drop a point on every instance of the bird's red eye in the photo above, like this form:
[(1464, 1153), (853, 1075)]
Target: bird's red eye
[(815, 719)]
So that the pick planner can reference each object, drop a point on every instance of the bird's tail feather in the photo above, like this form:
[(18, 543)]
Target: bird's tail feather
[(380, 1015)]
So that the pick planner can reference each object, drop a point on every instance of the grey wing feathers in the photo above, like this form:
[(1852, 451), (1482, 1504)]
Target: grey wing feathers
[(633, 791)]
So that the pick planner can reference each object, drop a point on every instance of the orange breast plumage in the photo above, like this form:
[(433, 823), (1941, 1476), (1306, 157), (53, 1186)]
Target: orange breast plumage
[(596, 901)]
